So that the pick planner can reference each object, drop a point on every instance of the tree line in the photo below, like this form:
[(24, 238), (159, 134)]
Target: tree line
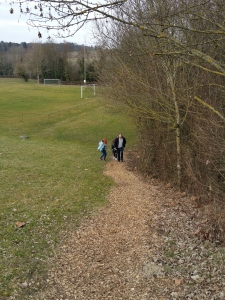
[(64, 61), (162, 61), (167, 71)]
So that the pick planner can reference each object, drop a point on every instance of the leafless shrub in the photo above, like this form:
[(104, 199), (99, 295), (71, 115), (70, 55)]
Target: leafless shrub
[(170, 80)]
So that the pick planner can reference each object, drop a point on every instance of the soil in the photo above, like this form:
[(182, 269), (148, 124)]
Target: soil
[(149, 242)]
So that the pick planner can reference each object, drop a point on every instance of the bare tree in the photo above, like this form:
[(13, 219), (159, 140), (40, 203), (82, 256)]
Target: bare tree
[(167, 56), (190, 28), (34, 57), (173, 75), (20, 69)]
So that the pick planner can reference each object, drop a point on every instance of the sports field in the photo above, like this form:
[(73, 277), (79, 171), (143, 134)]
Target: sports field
[(50, 180)]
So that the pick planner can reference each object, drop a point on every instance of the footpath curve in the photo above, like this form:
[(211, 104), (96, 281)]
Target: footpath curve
[(142, 246)]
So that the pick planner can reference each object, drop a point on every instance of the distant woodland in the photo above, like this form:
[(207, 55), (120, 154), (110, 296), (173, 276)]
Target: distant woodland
[(163, 63), (65, 61)]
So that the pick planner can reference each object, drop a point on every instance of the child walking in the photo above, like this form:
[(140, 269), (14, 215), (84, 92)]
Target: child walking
[(114, 150), (102, 146)]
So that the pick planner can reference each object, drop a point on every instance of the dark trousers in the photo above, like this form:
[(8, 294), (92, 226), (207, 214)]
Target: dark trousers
[(120, 154), (114, 153), (104, 154)]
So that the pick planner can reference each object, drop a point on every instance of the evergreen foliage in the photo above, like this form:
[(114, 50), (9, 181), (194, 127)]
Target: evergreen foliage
[(47, 60)]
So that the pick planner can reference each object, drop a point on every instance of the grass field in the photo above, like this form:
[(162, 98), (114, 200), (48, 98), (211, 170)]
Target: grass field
[(51, 180)]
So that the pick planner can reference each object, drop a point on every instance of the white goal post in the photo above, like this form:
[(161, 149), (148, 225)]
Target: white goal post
[(52, 81), (91, 90)]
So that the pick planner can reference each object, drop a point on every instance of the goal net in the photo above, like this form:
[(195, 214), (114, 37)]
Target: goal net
[(88, 91), (52, 81)]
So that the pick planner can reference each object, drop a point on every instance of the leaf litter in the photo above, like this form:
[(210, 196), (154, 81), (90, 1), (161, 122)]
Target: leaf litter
[(145, 245)]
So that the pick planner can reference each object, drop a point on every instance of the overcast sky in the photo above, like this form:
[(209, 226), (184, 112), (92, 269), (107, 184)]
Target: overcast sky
[(13, 28)]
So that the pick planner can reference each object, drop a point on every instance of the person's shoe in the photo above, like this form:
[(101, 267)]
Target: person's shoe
[(115, 158), (100, 158)]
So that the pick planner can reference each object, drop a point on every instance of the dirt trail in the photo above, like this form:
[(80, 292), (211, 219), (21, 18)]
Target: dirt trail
[(118, 253)]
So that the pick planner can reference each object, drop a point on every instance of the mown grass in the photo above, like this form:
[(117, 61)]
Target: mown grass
[(51, 180)]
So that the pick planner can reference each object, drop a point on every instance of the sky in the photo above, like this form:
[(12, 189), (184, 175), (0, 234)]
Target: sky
[(13, 28)]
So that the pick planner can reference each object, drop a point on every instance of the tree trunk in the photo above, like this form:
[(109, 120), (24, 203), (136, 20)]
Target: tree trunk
[(171, 74)]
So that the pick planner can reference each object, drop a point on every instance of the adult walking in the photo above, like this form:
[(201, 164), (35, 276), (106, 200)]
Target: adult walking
[(120, 143)]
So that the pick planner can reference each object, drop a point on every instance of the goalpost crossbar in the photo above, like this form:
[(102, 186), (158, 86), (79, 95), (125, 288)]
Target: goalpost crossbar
[(52, 81), (92, 86)]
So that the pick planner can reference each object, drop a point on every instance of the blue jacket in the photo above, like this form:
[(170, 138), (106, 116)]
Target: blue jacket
[(101, 146)]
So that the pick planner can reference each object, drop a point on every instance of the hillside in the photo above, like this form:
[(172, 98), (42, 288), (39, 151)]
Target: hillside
[(5, 46), (146, 244)]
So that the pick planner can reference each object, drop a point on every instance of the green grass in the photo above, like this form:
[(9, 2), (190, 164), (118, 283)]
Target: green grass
[(50, 180)]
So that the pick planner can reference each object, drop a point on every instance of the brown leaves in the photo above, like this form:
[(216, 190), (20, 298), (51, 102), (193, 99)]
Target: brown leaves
[(20, 224), (197, 232), (203, 232), (178, 281), (119, 248), (169, 185), (184, 194)]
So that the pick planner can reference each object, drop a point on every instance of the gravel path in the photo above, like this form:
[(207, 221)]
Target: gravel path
[(144, 245)]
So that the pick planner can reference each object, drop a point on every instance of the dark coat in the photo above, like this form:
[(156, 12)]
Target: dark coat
[(113, 143), (117, 142)]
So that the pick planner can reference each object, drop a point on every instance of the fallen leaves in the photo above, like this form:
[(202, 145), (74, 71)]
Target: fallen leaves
[(197, 232), (178, 281), (20, 224), (120, 253)]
